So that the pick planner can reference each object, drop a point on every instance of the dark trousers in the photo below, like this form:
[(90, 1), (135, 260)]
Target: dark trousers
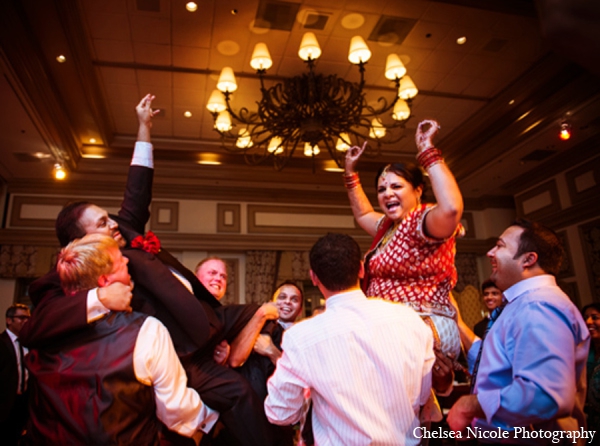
[(225, 390), (12, 428)]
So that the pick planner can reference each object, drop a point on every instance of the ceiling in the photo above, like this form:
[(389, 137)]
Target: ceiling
[(499, 98)]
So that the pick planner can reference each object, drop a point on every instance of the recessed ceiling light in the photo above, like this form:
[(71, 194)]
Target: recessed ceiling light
[(511, 102), (524, 115), (61, 59), (191, 6), (461, 40), (92, 140), (187, 114)]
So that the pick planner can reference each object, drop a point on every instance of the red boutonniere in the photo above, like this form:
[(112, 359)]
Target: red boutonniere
[(149, 243)]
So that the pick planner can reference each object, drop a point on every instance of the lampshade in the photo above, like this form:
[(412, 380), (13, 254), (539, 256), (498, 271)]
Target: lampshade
[(343, 142), (223, 122), (401, 110), (310, 150), (227, 80), (394, 68), (275, 145), (408, 89), (377, 129), (309, 47), (359, 51), (244, 141), (216, 103), (261, 59)]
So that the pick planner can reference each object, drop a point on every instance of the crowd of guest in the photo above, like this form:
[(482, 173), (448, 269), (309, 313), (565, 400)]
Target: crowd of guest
[(165, 362)]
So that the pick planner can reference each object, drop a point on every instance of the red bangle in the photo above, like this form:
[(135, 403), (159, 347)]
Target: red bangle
[(351, 181), (430, 157)]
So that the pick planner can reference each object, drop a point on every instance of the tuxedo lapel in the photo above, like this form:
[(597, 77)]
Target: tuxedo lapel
[(199, 290)]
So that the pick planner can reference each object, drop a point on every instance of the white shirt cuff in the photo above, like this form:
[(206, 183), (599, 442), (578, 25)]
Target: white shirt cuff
[(95, 309), (142, 155)]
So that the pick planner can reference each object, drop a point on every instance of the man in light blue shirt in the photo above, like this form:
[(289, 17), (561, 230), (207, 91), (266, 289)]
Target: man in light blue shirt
[(531, 372)]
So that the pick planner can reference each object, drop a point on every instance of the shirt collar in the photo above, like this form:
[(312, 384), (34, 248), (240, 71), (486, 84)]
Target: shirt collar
[(525, 285), (11, 335), (340, 298)]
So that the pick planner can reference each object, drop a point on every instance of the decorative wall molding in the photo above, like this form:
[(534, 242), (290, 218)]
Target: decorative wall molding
[(256, 213), (583, 182), (229, 218), (164, 216), (539, 202), (20, 203)]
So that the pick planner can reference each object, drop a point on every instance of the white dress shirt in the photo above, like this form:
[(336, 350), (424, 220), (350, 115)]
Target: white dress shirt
[(367, 363), (17, 346), (156, 364)]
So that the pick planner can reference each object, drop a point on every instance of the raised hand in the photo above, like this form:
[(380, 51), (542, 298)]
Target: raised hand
[(352, 156), (145, 114), (426, 131), (144, 109)]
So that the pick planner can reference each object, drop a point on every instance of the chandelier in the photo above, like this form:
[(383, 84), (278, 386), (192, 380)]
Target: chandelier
[(311, 111)]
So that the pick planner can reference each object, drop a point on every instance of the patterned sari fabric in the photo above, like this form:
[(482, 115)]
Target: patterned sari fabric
[(408, 266)]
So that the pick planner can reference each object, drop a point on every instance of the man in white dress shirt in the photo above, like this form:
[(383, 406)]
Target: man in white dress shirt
[(115, 379), (367, 362)]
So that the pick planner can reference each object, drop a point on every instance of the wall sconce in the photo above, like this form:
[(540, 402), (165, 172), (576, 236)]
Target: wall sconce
[(59, 171), (565, 131)]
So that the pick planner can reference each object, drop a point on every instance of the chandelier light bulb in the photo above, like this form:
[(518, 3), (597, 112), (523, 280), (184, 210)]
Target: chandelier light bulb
[(377, 129), (216, 103), (311, 150), (407, 89), (343, 142), (223, 122), (59, 172), (261, 59), (227, 80), (401, 110), (275, 145), (565, 131), (394, 68), (359, 51), (309, 47), (244, 141)]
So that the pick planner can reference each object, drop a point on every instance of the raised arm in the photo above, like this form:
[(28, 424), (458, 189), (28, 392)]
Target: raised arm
[(442, 220), (138, 191), (242, 345), (362, 209)]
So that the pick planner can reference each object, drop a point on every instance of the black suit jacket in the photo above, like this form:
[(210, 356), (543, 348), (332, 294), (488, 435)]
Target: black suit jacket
[(9, 375), (191, 321)]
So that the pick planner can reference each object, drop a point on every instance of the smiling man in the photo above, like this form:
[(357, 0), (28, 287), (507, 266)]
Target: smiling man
[(164, 288), (212, 272), (531, 369)]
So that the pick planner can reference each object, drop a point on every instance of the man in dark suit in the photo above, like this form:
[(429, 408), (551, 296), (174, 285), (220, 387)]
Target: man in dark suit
[(13, 376), (164, 288), (492, 299)]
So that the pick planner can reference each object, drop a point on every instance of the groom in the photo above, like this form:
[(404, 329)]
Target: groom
[(164, 288)]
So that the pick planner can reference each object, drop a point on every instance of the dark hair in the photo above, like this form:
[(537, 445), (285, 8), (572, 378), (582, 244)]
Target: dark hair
[(543, 241), (12, 310), (67, 225), (409, 171), (335, 260), (292, 283), (595, 306), (488, 284)]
